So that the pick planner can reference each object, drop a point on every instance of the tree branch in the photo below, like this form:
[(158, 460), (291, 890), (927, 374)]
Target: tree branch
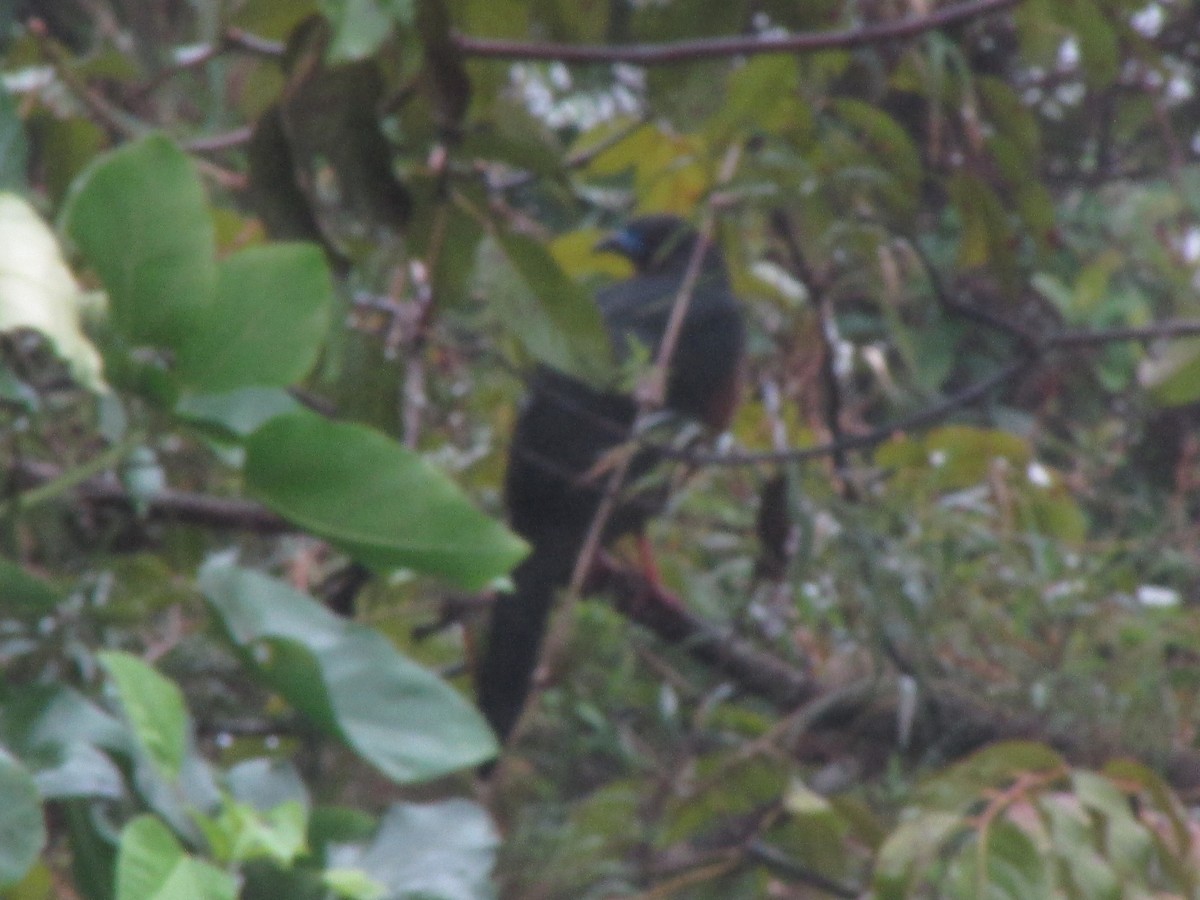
[(923, 418), (168, 505), (864, 709), (710, 48), (1063, 340)]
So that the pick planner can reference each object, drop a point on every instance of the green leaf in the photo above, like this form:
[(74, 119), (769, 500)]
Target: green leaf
[(40, 716), (348, 679), (516, 137), (77, 769), (1099, 44), (237, 413), (140, 216), (960, 786), (154, 706), (888, 140), (555, 319), (65, 147), (1128, 843), (38, 291), (329, 118), (613, 146), (22, 829), (954, 456), (984, 238), (909, 849), (240, 832), (1172, 378), (380, 502), (1013, 867), (23, 594), (353, 884), (151, 865), (435, 851), (14, 148), (1075, 843), (265, 783), (760, 96), (267, 322), (332, 825), (361, 26)]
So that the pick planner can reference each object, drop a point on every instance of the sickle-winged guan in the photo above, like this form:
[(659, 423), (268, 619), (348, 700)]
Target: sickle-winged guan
[(553, 485)]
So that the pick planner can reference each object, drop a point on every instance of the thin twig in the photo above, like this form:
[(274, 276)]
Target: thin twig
[(167, 505), (825, 323), (573, 162), (923, 418), (107, 112), (687, 51), (1143, 333), (952, 306), (1063, 340), (63, 482), (215, 143), (782, 864)]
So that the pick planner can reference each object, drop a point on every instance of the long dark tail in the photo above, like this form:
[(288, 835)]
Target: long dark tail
[(517, 627)]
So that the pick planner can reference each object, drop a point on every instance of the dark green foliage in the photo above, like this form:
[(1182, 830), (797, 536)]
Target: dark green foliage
[(268, 274)]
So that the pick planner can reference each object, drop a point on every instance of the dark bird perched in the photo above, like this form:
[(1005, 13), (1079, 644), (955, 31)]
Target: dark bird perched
[(552, 486)]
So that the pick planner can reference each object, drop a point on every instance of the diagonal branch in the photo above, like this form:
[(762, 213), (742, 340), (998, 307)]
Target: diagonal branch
[(974, 393), (865, 707)]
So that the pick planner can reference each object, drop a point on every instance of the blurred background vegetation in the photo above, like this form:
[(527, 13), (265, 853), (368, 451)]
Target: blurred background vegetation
[(271, 273)]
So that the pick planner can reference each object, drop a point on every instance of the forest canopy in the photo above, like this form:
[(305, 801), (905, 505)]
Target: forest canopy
[(274, 276)]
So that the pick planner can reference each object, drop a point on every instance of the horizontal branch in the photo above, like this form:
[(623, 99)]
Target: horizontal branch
[(1157, 331), (167, 505), (712, 48)]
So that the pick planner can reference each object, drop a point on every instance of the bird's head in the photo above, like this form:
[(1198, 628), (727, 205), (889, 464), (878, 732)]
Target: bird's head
[(654, 243)]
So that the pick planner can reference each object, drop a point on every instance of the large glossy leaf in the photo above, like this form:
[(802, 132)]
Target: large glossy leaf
[(378, 501), (37, 717), (435, 851), (237, 413), (151, 865), (22, 830), (154, 706), (268, 320), (141, 218), (38, 291), (348, 679)]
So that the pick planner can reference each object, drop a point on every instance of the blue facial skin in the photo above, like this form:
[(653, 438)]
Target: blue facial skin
[(630, 242)]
